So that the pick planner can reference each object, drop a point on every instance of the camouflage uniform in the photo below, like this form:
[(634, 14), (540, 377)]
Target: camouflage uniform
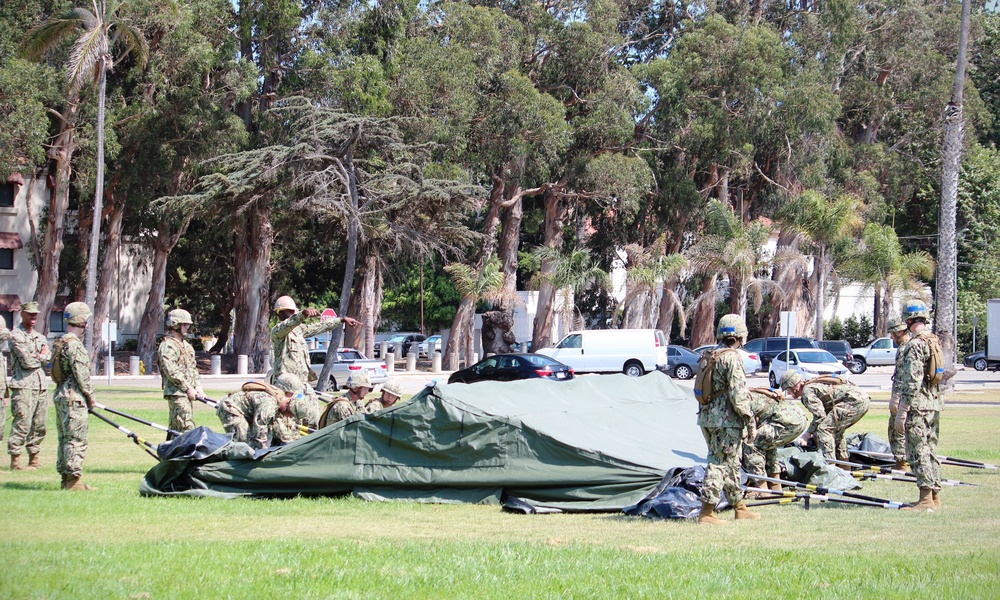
[(29, 405), (178, 372), (340, 409), (252, 417), (779, 422), (290, 353), (4, 336), (72, 398), (722, 423), (923, 404), (834, 408), (897, 441)]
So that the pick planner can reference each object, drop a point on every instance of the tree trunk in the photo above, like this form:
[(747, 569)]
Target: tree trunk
[(557, 210), (497, 335), (457, 339), (95, 227), (703, 321), (48, 271), (102, 304), (254, 237), (665, 318), (510, 238), (820, 291), (951, 158), (152, 316)]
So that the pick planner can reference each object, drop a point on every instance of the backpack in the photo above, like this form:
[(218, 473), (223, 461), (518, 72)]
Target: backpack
[(56, 372), (261, 386), (935, 366), (703, 381), (828, 380), (772, 394)]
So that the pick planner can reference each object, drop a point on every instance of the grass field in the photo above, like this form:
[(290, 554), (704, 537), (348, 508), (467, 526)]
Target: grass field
[(112, 543)]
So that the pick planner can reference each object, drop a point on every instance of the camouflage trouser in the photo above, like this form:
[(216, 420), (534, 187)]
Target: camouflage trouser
[(181, 413), (897, 441), (71, 420), (29, 409), (829, 431), (285, 429), (922, 428), (723, 471), (761, 458), (3, 412)]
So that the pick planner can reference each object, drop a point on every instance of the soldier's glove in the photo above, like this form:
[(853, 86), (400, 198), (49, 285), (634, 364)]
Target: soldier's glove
[(751, 432), (899, 421), (90, 402), (192, 394)]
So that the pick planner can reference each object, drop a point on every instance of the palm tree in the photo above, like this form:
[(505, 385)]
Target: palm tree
[(647, 268), (473, 285), (823, 222), (570, 274), (99, 30)]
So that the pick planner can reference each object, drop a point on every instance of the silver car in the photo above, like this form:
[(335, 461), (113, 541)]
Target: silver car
[(349, 360)]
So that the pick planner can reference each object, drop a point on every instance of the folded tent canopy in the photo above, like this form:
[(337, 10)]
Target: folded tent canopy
[(595, 443)]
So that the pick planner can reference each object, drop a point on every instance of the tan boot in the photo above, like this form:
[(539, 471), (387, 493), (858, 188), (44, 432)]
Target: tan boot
[(936, 495), (707, 515), (926, 501), (742, 512), (33, 461), (15, 463), (902, 465), (74, 484), (774, 485)]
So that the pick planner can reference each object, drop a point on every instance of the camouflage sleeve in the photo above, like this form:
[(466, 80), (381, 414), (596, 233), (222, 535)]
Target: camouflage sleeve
[(739, 396), (812, 399), (311, 329), (285, 429), (343, 409), (282, 329), (263, 422), (4, 332), (172, 365), (80, 364), (910, 374), (21, 352)]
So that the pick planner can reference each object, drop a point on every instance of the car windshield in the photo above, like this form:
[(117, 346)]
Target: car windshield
[(540, 360), (349, 355), (434, 339), (397, 338), (817, 356)]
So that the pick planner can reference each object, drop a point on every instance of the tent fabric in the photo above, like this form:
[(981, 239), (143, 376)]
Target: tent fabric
[(595, 443)]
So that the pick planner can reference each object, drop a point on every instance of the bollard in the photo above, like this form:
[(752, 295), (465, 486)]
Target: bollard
[(390, 362), (216, 365), (133, 366), (109, 366), (411, 356), (436, 362), (241, 364), (267, 364)]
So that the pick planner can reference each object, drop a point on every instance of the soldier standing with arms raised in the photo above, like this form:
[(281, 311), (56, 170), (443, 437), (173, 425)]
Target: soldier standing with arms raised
[(725, 419), (920, 404), (179, 371), (897, 439), (29, 405), (73, 397)]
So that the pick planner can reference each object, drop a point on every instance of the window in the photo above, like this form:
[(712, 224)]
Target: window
[(571, 341), (6, 259), (8, 317), (882, 344), (7, 193), (754, 346), (56, 322)]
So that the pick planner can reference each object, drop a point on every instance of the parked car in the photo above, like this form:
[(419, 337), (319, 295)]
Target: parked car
[(682, 363), (878, 352), (348, 361), (839, 348), (425, 345), (751, 362), (768, 348), (513, 367), (399, 343), (979, 362), (634, 352), (810, 363)]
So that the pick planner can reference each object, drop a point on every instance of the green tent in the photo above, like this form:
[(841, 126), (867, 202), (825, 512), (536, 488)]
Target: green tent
[(595, 443)]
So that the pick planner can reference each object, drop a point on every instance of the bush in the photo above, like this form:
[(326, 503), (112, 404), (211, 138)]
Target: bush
[(833, 329), (858, 332), (130, 345)]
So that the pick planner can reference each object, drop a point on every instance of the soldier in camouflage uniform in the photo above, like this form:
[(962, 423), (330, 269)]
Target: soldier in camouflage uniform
[(73, 397), (351, 403), (289, 351), (179, 371), (834, 407), (4, 392), (726, 421), (780, 421), (920, 406), (392, 391), (260, 418), (29, 404), (897, 439)]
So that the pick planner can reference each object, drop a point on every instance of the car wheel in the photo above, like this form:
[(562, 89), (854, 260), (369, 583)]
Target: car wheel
[(683, 372), (858, 366), (633, 369), (772, 380), (981, 364)]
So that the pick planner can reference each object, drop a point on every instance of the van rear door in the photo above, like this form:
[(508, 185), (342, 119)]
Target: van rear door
[(660, 341)]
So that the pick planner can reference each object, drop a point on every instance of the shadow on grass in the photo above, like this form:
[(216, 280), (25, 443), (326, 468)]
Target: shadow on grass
[(29, 487)]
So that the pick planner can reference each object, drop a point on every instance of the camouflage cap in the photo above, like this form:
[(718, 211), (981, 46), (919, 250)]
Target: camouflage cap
[(29, 307), (789, 380)]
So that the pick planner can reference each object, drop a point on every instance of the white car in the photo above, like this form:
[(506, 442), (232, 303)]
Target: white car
[(349, 361), (424, 345), (751, 361), (809, 362), (880, 352)]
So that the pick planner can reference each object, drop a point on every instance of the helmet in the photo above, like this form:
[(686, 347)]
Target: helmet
[(178, 317), (357, 380), (789, 380), (894, 325), (287, 382), (915, 309), (285, 303), (731, 326), (77, 314), (393, 387)]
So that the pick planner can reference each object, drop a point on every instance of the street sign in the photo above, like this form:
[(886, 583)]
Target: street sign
[(789, 323), (328, 315)]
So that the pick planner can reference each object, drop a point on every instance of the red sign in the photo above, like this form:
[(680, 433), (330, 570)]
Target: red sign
[(328, 315)]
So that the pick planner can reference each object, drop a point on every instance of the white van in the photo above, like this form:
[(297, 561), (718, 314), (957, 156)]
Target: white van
[(634, 352)]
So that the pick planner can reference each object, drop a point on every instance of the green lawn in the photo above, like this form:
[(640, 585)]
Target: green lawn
[(114, 544)]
